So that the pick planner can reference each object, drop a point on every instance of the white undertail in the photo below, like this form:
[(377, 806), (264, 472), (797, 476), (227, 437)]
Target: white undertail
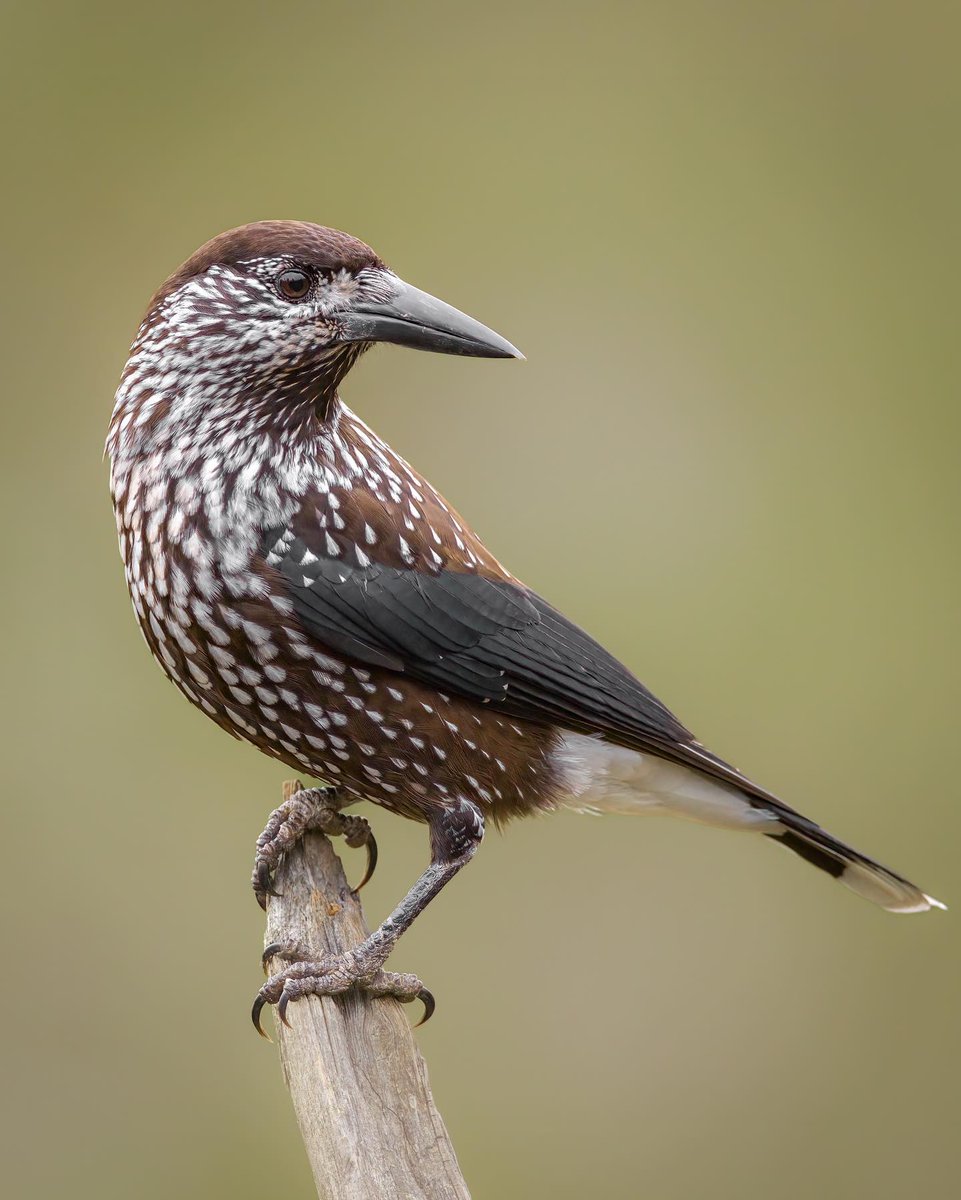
[(602, 777)]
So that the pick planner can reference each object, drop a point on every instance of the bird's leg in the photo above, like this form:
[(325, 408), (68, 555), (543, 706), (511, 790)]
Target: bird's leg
[(305, 810), (455, 833)]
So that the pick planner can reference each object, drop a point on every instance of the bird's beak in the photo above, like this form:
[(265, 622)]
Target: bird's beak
[(415, 318)]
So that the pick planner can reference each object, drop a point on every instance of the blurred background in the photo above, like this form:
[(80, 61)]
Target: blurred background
[(726, 237)]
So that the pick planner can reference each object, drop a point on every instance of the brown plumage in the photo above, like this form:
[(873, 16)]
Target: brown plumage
[(313, 594)]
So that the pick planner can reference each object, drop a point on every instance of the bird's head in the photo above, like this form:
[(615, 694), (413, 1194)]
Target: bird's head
[(280, 298)]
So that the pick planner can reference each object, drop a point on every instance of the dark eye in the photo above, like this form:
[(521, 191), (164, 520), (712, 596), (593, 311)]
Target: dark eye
[(293, 284)]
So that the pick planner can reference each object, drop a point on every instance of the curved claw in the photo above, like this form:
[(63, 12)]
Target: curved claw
[(427, 999), (265, 885), (282, 1009), (371, 862), (268, 954), (255, 1016)]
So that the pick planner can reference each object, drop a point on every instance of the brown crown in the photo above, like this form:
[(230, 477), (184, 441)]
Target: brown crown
[(320, 247)]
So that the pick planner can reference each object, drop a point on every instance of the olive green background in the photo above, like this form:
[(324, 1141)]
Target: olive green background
[(726, 237)]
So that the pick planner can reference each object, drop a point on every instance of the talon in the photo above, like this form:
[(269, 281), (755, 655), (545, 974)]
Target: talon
[(282, 1008), (371, 862), (333, 976), (265, 885), (302, 811), (427, 999), (269, 952), (255, 1016)]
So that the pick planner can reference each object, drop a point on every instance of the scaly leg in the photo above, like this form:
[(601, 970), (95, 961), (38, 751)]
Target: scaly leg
[(310, 808), (455, 834)]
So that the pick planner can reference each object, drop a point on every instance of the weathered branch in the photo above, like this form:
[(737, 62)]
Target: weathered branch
[(357, 1080)]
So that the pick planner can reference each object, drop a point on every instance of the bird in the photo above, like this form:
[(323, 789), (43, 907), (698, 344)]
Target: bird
[(314, 595)]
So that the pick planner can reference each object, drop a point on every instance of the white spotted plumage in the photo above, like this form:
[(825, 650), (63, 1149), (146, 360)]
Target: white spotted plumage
[(231, 452)]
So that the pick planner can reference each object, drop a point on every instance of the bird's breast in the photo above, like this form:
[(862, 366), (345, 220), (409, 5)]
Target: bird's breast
[(219, 623)]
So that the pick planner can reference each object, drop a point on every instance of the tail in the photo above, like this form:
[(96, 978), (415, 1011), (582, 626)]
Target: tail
[(603, 777), (855, 870)]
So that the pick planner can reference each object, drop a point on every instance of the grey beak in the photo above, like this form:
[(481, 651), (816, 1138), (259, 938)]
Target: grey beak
[(415, 318)]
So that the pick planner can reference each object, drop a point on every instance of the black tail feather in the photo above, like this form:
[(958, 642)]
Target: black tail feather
[(855, 870)]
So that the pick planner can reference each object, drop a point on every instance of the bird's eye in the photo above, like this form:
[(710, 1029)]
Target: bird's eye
[(293, 284)]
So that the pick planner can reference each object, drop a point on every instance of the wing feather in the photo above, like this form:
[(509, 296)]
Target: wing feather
[(489, 639)]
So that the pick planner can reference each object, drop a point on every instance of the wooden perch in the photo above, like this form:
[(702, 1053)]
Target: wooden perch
[(357, 1080)]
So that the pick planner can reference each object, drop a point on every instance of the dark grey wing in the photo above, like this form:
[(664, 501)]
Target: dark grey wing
[(491, 640)]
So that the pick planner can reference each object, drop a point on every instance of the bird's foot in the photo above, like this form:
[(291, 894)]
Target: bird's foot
[(361, 967), (305, 810)]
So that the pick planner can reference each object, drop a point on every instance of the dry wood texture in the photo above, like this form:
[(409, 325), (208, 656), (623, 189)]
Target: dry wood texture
[(357, 1080)]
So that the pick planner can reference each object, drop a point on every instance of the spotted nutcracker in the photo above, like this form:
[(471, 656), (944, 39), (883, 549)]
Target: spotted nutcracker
[(314, 595)]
